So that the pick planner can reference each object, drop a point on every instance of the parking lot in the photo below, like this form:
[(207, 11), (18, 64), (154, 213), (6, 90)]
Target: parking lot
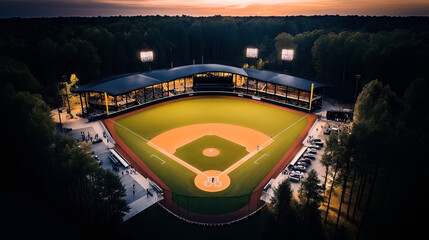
[(296, 176)]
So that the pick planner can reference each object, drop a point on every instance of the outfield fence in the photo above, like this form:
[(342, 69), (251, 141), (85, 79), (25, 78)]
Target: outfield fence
[(212, 210)]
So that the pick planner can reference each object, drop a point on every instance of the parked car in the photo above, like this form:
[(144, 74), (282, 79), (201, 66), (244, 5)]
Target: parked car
[(306, 160), (301, 163), (301, 174), (97, 140), (311, 151), (294, 179), (310, 156), (319, 144), (315, 147), (317, 140), (327, 131), (299, 168)]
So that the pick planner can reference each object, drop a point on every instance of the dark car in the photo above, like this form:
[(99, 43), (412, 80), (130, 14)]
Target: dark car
[(306, 160), (309, 156), (294, 179), (302, 163), (299, 168), (311, 151), (315, 146), (327, 131), (97, 140)]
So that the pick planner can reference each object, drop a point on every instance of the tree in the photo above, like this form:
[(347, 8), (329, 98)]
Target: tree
[(310, 197), (284, 208), (332, 160)]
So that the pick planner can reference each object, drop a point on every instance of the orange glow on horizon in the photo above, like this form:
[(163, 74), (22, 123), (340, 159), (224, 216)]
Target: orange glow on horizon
[(273, 7)]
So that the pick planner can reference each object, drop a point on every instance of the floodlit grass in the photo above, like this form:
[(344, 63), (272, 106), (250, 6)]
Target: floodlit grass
[(266, 119), (192, 153)]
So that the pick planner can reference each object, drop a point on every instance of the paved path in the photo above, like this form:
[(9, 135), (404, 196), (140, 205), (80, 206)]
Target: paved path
[(136, 186)]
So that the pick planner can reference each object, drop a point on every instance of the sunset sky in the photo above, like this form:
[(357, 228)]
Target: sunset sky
[(53, 8)]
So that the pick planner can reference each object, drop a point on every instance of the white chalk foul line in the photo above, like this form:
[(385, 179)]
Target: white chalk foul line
[(129, 130), (153, 155), (256, 161), (284, 130), (180, 161), (248, 156)]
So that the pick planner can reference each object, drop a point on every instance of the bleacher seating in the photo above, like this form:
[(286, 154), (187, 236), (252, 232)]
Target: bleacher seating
[(119, 158), (154, 185)]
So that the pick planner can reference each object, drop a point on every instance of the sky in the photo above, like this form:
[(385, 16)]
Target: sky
[(55, 8)]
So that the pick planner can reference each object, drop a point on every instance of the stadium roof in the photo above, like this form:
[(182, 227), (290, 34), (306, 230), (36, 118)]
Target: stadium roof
[(124, 83)]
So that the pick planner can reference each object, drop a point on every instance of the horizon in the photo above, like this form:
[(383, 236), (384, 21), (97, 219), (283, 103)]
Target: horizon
[(207, 8)]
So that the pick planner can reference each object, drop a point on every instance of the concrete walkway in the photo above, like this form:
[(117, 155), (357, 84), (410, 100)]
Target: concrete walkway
[(136, 186), (144, 201)]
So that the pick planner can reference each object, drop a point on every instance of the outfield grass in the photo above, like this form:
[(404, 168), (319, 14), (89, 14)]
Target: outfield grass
[(133, 129), (192, 153)]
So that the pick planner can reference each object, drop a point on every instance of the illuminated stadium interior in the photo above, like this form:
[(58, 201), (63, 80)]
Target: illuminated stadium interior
[(132, 90)]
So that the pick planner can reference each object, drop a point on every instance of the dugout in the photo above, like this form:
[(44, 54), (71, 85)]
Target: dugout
[(127, 91)]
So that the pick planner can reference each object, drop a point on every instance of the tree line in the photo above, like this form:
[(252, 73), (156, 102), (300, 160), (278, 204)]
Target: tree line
[(370, 165), (331, 49), (375, 173), (57, 168)]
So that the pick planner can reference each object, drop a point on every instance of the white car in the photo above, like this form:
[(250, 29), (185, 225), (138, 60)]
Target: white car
[(311, 150), (296, 173), (299, 168)]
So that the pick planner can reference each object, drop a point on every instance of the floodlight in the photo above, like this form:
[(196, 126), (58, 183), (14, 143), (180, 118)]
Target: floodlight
[(146, 56), (287, 54), (252, 53)]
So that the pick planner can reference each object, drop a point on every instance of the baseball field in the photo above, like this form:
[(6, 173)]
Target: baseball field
[(212, 152)]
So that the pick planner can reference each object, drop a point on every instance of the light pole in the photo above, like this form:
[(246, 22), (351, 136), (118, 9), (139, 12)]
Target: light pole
[(287, 55), (147, 56), (357, 77), (252, 53), (65, 82)]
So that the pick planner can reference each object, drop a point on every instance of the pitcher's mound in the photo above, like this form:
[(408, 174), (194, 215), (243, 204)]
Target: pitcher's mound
[(210, 152), (212, 181)]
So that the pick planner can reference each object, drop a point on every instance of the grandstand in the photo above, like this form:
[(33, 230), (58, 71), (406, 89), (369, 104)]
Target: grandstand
[(117, 93)]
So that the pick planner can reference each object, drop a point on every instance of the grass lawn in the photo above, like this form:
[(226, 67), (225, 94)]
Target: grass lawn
[(285, 126), (192, 153)]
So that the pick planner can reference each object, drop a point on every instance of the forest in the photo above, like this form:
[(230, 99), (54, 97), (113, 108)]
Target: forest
[(330, 49), (376, 168)]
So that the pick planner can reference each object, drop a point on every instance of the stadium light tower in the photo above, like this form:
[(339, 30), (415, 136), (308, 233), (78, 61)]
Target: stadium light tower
[(146, 56), (252, 53), (287, 55)]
